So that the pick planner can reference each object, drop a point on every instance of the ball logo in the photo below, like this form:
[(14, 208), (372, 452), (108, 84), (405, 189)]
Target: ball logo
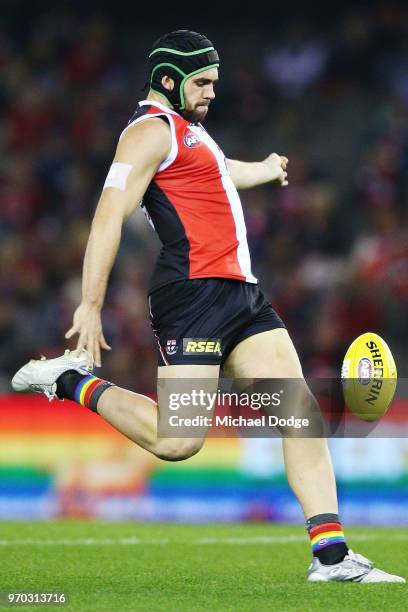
[(191, 140), (365, 371), (322, 542)]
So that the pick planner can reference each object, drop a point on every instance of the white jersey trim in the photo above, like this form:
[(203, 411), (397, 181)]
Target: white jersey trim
[(243, 256), (167, 112), (157, 337), (162, 107)]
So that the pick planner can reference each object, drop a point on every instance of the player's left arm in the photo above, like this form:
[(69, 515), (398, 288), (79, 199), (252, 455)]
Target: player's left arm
[(250, 174)]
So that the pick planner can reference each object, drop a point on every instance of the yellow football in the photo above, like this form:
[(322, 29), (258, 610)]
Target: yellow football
[(369, 377)]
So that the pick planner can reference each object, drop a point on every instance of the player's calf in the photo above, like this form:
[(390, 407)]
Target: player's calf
[(135, 416), (177, 449)]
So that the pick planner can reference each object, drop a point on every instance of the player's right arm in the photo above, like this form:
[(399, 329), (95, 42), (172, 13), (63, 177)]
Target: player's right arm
[(140, 151)]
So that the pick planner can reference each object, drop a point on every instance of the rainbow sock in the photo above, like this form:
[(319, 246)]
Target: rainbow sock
[(85, 389), (327, 538)]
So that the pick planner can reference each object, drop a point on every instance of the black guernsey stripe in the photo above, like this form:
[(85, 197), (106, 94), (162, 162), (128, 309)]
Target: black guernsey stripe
[(139, 112), (143, 110), (173, 262)]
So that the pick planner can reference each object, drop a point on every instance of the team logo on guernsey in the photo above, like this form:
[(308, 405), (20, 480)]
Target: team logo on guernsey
[(171, 347), (192, 140), (208, 346)]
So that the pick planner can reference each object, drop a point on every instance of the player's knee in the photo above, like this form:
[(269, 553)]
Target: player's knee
[(178, 450), (300, 398), (299, 412), (307, 411), (308, 402)]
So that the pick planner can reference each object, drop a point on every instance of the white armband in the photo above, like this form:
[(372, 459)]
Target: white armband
[(117, 175)]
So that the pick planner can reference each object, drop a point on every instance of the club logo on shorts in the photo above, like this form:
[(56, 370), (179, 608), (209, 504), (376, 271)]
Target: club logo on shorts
[(207, 346), (171, 347), (191, 140)]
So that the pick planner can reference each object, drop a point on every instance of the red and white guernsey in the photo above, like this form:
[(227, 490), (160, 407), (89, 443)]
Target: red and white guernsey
[(194, 206)]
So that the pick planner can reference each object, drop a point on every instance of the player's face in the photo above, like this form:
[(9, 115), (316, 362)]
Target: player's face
[(198, 93)]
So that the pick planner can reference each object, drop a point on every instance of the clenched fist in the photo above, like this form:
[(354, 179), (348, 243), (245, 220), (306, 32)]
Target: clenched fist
[(277, 165)]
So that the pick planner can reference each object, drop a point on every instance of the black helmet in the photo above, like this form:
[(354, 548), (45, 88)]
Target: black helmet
[(179, 55)]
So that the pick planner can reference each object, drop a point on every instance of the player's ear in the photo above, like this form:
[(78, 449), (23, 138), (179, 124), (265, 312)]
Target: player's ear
[(167, 83)]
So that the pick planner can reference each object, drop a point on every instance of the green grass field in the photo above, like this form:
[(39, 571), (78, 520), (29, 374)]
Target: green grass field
[(130, 566)]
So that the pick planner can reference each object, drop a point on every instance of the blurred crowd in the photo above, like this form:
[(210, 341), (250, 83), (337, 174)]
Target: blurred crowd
[(330, 250)]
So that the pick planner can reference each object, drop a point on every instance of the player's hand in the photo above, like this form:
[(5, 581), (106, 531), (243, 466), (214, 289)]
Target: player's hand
[(87, 323), (277, 165)]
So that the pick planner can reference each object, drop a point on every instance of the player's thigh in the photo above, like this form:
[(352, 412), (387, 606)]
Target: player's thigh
[(186, 387), (186, 400), (269, 354), (188, 371), (267, 364)]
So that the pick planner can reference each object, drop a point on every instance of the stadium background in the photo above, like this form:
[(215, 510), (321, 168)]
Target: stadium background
[(329, 89)]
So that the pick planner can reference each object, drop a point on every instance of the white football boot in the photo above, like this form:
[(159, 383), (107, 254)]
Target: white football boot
[(41, 375), (353, 568)]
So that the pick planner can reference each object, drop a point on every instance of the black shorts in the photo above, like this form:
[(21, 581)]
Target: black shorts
[(200, 321)]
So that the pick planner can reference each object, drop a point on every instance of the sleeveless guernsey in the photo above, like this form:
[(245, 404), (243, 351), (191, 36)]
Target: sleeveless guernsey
[(194, 206)]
